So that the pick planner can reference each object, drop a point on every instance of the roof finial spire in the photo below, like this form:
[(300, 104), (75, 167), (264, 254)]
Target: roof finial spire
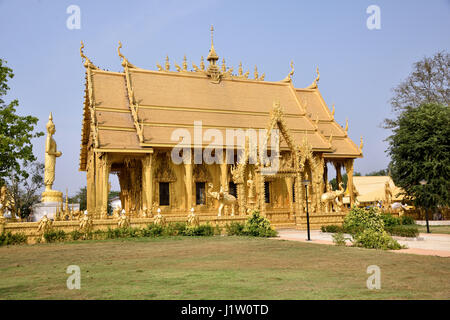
[(212, 35), (212, 56)]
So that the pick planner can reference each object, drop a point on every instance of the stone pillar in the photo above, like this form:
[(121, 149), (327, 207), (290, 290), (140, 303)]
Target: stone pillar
[(147, 181), (106, 168), (188, 183), (349, 169)]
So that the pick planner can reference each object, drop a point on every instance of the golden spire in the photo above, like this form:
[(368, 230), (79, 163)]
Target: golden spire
[(256, 73), (361, 144), (346, 125), (185, 63), (314, 84), (167, 65), (332, 112), (240, 70), (212, 56)]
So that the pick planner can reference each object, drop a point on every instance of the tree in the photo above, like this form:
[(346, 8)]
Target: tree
[(419, 148), (382, 172), (16, 133), (23, 193), (334, 184), (428, 83), (81, 198)]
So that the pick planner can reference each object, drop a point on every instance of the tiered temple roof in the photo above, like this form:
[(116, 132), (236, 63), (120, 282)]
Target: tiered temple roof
[(137, 109)]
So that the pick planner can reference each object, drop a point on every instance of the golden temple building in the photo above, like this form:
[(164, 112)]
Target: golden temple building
[(129, 118)]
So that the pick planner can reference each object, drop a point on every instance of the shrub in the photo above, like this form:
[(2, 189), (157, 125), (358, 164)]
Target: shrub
[(201, 230), (360, 219), (390, 221), (152, 230), (54, 236), (403, 231), (174, 229), (406, 220), (76, 235), (12, 239), (332, 228), (373, 239), (235, 229), (339, 239), (258, 226)]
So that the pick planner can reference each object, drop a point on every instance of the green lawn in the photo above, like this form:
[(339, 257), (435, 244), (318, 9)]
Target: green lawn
[(216, 268), (435, 229)]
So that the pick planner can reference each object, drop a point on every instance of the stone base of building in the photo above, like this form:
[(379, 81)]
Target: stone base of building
[(45, 208), (52, 196)]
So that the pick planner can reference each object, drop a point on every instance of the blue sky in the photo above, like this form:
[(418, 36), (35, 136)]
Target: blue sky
[(358, 66)]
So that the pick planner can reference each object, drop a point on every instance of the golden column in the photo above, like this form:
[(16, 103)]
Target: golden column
[(105, 168), (349, 169), (188, 181), (147, 185)]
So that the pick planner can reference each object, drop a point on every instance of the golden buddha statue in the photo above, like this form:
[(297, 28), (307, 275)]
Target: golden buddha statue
[(51, 154)]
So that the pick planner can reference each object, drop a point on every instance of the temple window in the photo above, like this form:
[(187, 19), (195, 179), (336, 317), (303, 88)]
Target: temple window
[(267, 191), (200, 193), (232, 189), (164, 194)]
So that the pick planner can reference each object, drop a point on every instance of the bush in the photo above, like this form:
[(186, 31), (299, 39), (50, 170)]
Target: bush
[(258, 226), (54, 236), (390, 221), (373, 239), (406, 220), (12, 239), (76, 235), (403, 231), (235, 229), (360, 219), (174, 229), (152, 230), (332, 228), (339, 239), (201, 230)]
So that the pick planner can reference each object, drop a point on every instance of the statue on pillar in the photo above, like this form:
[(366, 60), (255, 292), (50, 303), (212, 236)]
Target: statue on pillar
[(51, 153)]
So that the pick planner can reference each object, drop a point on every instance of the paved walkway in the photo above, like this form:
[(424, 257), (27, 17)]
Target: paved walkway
[(425, 244)]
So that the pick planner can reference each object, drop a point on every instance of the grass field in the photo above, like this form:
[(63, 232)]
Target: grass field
[(435, 229), (216, 268)]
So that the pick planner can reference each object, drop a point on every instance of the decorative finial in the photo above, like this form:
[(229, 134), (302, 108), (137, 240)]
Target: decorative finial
[(159, 67), (125, 62), (86, 61), (256, 73), (314, 84), (291, 73), (332, 112), (202, 64), (212, 35), (262, 77), (361, 144), (167, 65), (346, 125), (185, 63), (50, 117), (240, 70), (212, 56), (224, 67), (177, 67)]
